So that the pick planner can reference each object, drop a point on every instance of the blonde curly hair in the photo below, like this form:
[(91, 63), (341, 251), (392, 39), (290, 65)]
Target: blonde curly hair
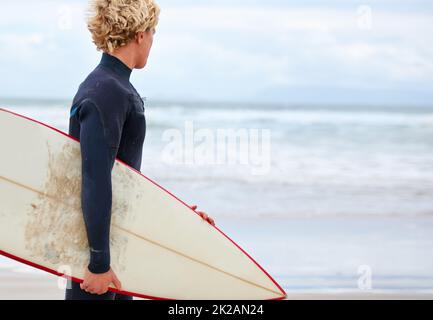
[(113, 23)]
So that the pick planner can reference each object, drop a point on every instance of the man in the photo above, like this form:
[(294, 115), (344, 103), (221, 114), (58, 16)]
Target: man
[(107, 116)]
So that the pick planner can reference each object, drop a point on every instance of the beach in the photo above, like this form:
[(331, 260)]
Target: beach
[(25, 286)]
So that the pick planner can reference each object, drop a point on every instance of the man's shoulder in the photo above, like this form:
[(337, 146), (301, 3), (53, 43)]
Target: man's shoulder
[(102, 89), (102, 82)]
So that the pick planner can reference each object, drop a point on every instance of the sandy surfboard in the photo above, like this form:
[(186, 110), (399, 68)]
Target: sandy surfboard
[(160, 248)]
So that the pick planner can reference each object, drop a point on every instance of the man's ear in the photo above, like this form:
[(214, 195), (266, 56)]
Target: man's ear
[(139, 37)]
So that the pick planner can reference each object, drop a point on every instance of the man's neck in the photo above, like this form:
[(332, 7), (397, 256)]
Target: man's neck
[(124, 55)]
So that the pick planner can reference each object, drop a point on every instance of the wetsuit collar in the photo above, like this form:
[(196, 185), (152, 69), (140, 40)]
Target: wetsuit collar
[(116, 65)]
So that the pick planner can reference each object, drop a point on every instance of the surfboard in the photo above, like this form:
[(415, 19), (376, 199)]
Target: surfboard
[(160, 247)]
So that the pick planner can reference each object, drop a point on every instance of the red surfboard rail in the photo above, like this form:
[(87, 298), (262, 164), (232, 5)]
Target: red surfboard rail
[(135, 294)]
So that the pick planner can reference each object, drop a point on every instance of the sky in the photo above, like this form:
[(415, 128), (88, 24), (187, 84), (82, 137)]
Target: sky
[(290, 52)]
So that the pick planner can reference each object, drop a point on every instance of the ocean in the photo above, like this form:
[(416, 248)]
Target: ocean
[(336, 198)]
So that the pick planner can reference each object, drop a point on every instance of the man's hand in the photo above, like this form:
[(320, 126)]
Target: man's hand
[(203, 215), (98, 283)]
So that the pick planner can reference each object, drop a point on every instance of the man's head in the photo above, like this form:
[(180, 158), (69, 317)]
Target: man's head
[(124, 24)]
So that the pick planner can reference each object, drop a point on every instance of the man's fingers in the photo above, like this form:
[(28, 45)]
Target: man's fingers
[(206, 217), (98, 290), (117, 283), (92, 290), (202, 214), (102, 291)]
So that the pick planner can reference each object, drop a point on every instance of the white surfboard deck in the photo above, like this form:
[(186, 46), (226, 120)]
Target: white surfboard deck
[(160, 248)]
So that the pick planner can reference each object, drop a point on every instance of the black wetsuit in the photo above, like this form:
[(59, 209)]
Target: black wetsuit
[(107, 116)]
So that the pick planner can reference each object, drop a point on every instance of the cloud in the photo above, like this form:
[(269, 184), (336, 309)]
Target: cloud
[(293, 44), (219, 50)]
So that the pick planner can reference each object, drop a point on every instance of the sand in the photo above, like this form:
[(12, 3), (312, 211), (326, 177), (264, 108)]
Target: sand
[(42, 286), (26, 286)]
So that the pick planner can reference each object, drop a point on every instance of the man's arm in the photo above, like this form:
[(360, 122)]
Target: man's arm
[(96, 194)]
